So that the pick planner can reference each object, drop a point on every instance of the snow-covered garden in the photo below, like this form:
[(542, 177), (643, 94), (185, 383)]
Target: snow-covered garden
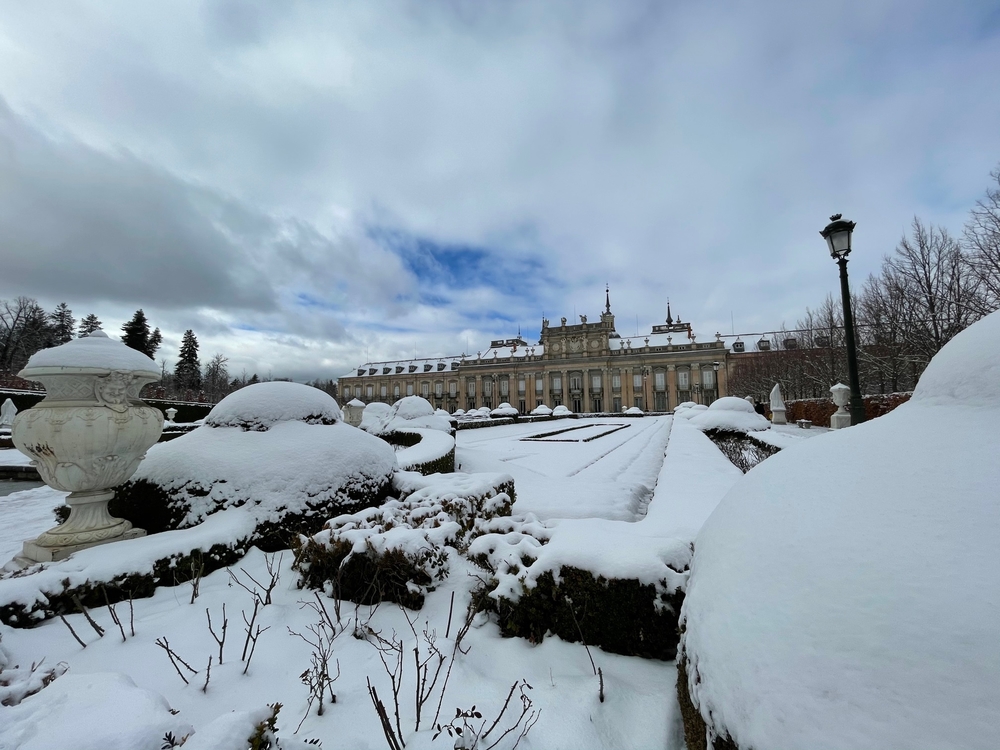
[(534, 584)]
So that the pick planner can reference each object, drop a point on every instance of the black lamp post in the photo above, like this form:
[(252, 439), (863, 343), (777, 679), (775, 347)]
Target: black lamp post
[(838, 237)]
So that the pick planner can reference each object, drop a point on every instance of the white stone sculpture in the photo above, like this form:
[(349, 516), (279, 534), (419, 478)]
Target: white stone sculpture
[(7, 412), (88, 435), (841, 396), (777, 406), (171, 413)]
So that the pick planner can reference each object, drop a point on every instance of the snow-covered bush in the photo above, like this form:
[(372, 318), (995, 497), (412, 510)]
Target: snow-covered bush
[(398, 551), (730, 414), (541, 411), (423, 435), (260, 406), (863, 611), (504, 410), (689, 409), (373, 415), (633, 411), (289, 473), (561, 411)]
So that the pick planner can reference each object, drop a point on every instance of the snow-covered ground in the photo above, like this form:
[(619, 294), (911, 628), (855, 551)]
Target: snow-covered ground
[(13, 457), (609, 477), (612, 500)]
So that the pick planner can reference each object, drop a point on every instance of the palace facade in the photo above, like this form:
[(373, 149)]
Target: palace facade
[(585, 366)]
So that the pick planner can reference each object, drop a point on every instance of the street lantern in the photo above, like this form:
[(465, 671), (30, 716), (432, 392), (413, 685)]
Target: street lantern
[(838, 238)]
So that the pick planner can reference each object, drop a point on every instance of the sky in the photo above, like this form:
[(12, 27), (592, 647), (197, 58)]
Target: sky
[(312, 185)]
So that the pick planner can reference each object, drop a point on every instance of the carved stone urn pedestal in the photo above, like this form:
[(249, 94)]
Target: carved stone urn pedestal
[(87, 436), (841, 396)]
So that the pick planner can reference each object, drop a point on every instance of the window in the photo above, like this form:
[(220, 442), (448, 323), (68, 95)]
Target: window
[(369, 391), (520, 385), (470, 387), (539, 384), (347, 391), (382, 391), (576, 383), (439, 389), (504, 387), (395, 391), (616, 382), (637, 381), (487, 387), (557, 383), (595, 382), (616, 404), (409, 389), (452, 389), (660, 381), (425, 389), (520, 406), (708, 378), (683, 380)]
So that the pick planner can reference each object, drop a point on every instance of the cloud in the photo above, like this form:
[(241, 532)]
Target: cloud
[(353, 178)]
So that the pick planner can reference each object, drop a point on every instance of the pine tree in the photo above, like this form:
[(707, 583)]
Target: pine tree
[(89, 324), (138, 336), (254, 380), (187, 374), (63, 323)]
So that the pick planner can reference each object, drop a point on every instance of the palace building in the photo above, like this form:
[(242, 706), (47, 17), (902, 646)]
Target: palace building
[(586, 366)]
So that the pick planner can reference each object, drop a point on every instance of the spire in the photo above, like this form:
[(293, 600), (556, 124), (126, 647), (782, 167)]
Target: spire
[(607, 298), (670, 318)]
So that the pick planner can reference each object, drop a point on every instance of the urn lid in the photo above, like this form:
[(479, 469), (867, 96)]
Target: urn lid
[(95, 351)]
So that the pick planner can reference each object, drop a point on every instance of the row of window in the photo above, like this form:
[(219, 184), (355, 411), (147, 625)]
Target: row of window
[(575, 384)]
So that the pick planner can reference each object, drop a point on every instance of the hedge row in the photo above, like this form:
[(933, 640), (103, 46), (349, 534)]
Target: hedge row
[(819, 410)]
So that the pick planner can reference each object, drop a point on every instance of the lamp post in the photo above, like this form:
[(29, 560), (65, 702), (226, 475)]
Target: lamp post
[(838, 237)]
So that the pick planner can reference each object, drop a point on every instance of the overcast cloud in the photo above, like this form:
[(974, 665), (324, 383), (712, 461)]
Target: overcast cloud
[(309, 184)]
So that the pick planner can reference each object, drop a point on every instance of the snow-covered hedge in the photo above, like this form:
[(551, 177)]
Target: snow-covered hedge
[(290, 474), (260, 406), (397, 552), (505, 410), (730, 414), (424, 436), (864, 612)]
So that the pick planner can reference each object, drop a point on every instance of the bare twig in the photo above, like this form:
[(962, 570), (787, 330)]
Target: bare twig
[(94, 625), (470, 615), (225, 624), (600, 676), (451, 607), (175, 658), (249, 624), (78, 638), (253, 633), (395, 742), (208, 675), (196, 572), (131, 615), (113, 613)]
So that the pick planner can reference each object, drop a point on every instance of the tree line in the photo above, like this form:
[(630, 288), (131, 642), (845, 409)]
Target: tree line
[(930, 287), (25, 328)]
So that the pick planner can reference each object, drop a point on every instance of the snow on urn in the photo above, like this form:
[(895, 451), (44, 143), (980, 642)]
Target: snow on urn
[(777, 405), (88, 435)]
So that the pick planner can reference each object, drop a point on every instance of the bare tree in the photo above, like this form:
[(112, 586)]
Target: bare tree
[(982, 240)]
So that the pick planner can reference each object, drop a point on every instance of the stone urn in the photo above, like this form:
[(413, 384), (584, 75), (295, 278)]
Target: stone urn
[(841, 397), (88, 435)]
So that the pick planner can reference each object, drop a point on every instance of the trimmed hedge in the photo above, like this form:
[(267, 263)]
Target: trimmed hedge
[(169, 571), (741, 448), (695, 726), (622, 616), (819, 410), (148, 506)]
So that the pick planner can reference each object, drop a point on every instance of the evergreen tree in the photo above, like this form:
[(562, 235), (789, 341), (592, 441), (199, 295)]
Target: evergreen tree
[(62, 323), (254, 380), (187, 374), (138, 336), (89, 324)]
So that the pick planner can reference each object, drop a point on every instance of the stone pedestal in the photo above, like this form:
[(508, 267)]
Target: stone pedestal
[(778, 416), (777, 406), (839, 420)]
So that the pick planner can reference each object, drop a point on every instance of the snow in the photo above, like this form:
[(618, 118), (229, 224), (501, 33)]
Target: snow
[(262, 405), (541, 410), (356, 402), (98, 711), (289, 467), (635, 411), (95, 351), (731, 414), (504, 410), (433, 445), (373, 415), (846, 593), (14, 457), (26, 514), (561, 411)]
